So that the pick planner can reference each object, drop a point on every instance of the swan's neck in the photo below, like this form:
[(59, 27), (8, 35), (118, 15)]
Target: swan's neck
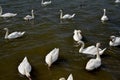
[(98, 55), (42, 2), (32, 14), (0, 10), (61, 14), (104, 12), (6, 35), (82, 47)]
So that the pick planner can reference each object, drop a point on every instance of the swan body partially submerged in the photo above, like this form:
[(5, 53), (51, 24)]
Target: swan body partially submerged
[(13, 35)]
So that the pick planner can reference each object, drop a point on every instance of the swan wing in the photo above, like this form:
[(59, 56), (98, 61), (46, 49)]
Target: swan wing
[(28, 17), (52, 55), (8, 15), (15, 35), (104, 18), (55, 55), (67, 16), (92, 64), (90, 50), (117, 40)]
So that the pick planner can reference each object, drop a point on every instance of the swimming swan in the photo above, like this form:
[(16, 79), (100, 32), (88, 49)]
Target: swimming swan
[(117, 1), (13, 35), (70, 77), (66, 16), (104, 17), (46, 2), (115, 41), (29, 17), (5, 15), (52, 56), (94, 63), (77, 35), (25, 68), (91, 50)]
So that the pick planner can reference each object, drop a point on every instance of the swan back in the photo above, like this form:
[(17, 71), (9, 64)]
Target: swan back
[(70, 77), (46, 2), (52, 56), (94, 63), (77, 35), (117, 1), (25, 68), (62, 78)]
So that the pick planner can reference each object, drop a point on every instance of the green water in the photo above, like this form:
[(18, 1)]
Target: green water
[(46, 32)]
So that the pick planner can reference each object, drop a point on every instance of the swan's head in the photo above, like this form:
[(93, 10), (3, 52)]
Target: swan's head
[(60, 10), (75, 31), (5, 28), (112, 38), (97, 44), (62, 78), (79, 31), (32, 10), (104, 10)]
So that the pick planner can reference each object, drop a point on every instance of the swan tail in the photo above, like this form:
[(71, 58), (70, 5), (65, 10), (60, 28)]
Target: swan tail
[(23, 33), (102, 51), (73, 15)]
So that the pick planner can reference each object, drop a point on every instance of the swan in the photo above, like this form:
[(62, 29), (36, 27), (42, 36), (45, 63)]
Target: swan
[(25, 68), (117, 1), (13, 35), (77, 35), (66, 16), (29, 17), (94, 63), (52, 56), (91, 50), (5, 15), (104, 17), (46, 2), (115, 41), (70, 77)]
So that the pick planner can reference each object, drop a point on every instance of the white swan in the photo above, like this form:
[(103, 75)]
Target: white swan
[(94, 63), (29, 17), (25, 68), (91, 50), (66, 16), (13, 35), (77, 35), (104, 17), (45, 2), (70, 77), (117, 1), (5, 15), (52, 56), (115, 41)]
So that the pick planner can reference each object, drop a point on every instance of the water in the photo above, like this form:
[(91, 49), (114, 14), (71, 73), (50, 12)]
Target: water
[(47, 32)]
